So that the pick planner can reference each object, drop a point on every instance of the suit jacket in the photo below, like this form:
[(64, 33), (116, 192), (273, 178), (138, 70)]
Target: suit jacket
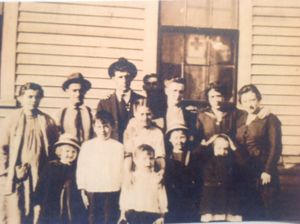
[(111, 105)]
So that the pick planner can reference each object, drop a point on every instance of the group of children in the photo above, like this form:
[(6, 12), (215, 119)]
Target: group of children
[(143, 180)]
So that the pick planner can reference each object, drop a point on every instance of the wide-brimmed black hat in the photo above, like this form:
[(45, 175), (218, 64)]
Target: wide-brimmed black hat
[(77, 78), (122, 65)]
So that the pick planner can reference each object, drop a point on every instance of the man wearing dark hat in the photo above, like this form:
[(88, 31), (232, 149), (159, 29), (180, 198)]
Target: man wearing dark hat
[(120, 103), (76, 118)]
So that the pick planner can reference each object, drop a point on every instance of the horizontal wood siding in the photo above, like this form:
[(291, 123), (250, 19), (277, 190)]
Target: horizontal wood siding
[(57, 39), (276, 66)]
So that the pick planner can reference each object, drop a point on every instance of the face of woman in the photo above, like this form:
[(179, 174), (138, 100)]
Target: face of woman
[(250, 102), (215, 99)]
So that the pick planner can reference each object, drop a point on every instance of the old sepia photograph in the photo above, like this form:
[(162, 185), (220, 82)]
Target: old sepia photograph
[(149, 111)]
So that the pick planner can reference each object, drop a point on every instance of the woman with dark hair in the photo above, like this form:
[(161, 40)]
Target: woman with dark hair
[(260, 140), (217, 118)]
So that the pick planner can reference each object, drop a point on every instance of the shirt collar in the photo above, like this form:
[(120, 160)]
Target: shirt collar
[(126, 95)]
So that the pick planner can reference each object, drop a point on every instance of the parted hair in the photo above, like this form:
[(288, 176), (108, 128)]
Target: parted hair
[(33, 86), (105, 117), (249, 88), (217, 86)]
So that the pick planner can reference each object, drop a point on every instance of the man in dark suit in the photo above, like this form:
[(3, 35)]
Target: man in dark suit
[(120, 103)]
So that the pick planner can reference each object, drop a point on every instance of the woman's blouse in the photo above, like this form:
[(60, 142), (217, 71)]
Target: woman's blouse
[(208, 125), (260, 139)]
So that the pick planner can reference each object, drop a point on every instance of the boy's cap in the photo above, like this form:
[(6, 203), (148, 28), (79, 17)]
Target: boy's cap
[(176, 125), (67, 139), (77, 78)]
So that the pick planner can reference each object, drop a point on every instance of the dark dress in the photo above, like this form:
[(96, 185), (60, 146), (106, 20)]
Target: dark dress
[(261, 144), (58, 195), (205, 163), (207, 124), (219, 194), (180, 187), (120, 112)]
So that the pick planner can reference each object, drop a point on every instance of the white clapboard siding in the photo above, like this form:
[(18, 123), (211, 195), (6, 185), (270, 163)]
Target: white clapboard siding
[(57, 39), (276, 66)]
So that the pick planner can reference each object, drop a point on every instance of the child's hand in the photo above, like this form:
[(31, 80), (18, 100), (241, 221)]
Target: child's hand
[(159, 221), (84, 199)]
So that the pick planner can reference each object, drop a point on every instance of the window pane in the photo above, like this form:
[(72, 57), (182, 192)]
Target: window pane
[(221, 50), (224, 14), (172, 48), (196, 49), (224, 75), (172, 13), (197, 13), (196, 81)]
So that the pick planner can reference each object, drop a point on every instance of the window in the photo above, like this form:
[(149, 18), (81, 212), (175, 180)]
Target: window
[(198, 41)]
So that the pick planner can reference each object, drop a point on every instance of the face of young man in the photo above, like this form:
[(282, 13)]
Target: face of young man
[(76, 93), (174, 92), (151, 85), (30, 100), (122, 81), (215, 99), (250, 102), (102, 130), (68, 154)]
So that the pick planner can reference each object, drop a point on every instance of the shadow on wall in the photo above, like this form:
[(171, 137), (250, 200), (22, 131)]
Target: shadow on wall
[(289, 201)]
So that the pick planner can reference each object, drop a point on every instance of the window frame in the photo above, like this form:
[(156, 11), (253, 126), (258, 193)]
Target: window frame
[(204, 31), (8, 55)]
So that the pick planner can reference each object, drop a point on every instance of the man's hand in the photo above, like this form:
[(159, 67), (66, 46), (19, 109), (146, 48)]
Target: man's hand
[(265, 178), (22, 171)]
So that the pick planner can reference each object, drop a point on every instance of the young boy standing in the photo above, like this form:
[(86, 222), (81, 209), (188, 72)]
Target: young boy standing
[(144, 200), (25, 148), (99, 172)]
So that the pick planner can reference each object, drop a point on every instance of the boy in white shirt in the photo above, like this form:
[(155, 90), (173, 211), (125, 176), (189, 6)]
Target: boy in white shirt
[(99, 172), (144, 200)]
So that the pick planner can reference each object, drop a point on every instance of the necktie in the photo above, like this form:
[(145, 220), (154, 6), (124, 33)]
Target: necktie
[(78, 125)]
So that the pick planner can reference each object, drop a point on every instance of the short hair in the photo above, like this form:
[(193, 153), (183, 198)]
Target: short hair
[(148, 76), (105, 117), (142, 102), (179, 80), (217, 86), (122, 65), (32, 86), (144, 148), (249, 88)]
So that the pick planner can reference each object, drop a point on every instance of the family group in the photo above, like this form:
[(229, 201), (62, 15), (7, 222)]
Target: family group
[(139, 159)]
